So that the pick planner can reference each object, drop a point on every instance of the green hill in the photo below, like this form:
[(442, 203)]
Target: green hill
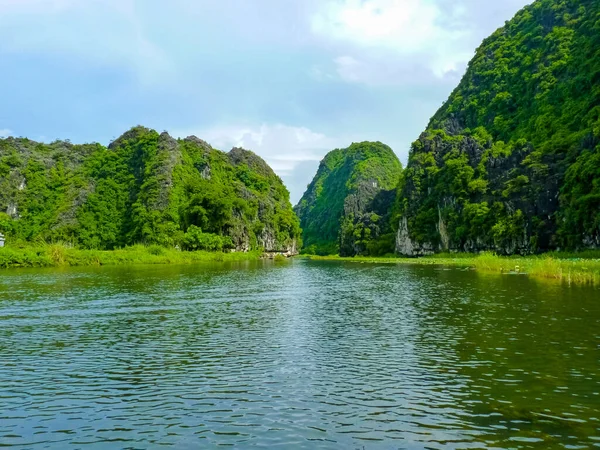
[(511, 162), (346, 206), (147, 188)]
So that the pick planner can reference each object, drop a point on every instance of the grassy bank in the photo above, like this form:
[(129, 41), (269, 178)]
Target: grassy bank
[(581, 268), (576, 268), (59, 255)]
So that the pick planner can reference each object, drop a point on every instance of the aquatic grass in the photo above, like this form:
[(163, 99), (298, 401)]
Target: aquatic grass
[(29, 257), (572, 268), (57, 255), (156, 250)]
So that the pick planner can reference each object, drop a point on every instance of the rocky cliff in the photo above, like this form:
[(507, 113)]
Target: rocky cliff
[(511, 162), (147, 188), (346, 207)]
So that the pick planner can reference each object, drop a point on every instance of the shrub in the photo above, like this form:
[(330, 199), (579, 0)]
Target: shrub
[(195, 239)]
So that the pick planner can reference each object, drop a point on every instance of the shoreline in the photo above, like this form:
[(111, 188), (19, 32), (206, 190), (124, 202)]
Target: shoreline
[(577, 269), (61, 256), (570, 270)]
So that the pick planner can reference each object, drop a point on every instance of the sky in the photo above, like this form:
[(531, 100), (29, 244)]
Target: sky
[(289, 80)]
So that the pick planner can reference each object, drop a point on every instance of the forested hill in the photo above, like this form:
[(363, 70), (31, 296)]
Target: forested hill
[(147, 188), (511, 162), (347, 205)]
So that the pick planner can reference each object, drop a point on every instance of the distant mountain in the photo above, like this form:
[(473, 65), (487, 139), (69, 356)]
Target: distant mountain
[(346, 206), (147, 188), (511, 162)]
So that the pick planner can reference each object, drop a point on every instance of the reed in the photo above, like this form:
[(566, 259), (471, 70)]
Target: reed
[(572, 268)]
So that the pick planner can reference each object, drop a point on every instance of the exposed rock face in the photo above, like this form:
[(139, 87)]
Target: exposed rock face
[(346, 207), (407, 247), (509, 209), (242, 157), (444, 237), (205, 146), (268, 241), (145, 188), (169, 156), (12, 210)]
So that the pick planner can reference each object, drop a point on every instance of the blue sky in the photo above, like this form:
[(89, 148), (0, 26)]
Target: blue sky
[(289, 79)]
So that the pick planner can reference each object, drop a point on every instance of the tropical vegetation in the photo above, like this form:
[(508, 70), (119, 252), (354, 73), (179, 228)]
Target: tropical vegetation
[(144, 188), (347, 205), (511, 162)]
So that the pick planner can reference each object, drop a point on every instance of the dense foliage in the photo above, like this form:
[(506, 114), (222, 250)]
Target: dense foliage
[(345, 208), (511, 162), (146, 188)]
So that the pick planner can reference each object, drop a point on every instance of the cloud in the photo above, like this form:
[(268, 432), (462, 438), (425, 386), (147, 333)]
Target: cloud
[(386, 42), (403, 28), (383, 69), (293, 152), (405, 25), (5, 132)]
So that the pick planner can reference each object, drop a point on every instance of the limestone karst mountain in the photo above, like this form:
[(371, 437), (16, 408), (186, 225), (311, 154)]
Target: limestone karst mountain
[(511, 162), (145, 187), (347, 205)]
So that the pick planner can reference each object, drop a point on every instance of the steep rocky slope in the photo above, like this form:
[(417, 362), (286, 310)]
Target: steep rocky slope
[(145, 187), (346, 206), (511, 162)]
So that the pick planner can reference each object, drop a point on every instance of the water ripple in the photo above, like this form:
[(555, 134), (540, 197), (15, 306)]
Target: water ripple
[(297, 355)]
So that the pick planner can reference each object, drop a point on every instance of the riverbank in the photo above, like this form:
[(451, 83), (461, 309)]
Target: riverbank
[(59, 256), (575, 268)]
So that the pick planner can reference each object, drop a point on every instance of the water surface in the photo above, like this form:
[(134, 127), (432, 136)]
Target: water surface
[(302, 354)]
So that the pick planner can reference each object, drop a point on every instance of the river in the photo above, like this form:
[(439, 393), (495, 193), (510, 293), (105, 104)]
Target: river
[(296, 355)]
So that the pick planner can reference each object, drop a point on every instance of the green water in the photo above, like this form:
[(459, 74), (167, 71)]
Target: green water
[(302, 354)]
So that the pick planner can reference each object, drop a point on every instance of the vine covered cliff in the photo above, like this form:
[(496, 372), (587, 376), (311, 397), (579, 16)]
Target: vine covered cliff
[(145, 187), (346, 207), (511, 162)]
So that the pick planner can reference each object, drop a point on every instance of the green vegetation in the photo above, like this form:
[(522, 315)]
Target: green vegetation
[(56, 255), (145, 188), (511, 162), (563, 267), (347, 205)]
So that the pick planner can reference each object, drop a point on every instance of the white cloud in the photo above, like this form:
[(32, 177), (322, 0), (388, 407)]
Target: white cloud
[(396, 28), (405, 25), (5, 132)]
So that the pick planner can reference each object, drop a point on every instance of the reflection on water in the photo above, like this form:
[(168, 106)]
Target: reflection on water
[(296, 355)]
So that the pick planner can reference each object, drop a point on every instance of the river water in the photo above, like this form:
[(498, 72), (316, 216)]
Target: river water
[(300, 354)]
